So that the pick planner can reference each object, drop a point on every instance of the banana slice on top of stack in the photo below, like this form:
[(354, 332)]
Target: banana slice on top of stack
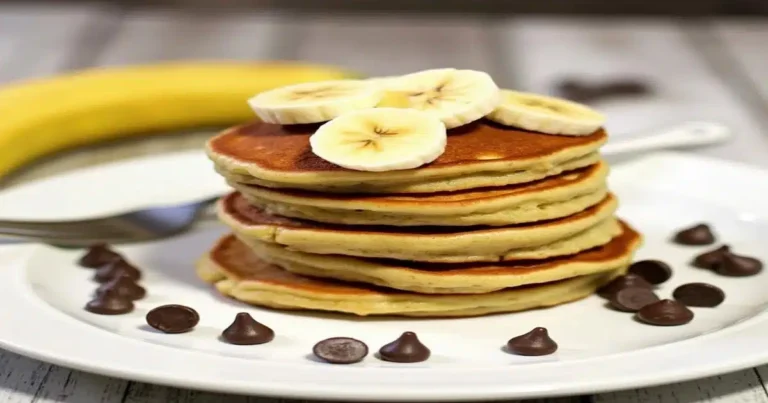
[(544, 114), (380, 139), (400, 122), (314, 102), (456, 97)]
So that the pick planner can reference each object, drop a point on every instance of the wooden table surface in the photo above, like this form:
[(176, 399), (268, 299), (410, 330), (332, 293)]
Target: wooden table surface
[(700, 69)]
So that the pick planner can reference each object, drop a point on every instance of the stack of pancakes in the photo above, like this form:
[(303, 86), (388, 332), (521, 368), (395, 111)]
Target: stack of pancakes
[(504, 220)]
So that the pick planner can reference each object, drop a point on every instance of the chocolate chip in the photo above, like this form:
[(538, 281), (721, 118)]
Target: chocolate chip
[(115, 268), (124, 285), (575, 90), (733, 265), (109, 303), (340, 350), (710, 260), (699, 295), (581, 91), (173, 318), (246, 331), (407, 348), (98, 255), (535, 342), (653, 271), (626, 87), (619, 283), (633, 299), (699, 234), (665, 313)]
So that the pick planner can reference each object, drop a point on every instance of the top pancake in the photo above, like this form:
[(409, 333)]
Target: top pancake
[(476, 155)]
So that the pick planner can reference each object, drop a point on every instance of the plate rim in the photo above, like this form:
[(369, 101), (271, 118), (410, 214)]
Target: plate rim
[(16, 273)]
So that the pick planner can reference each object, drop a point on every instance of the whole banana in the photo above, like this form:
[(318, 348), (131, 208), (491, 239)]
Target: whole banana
[(42, 116)]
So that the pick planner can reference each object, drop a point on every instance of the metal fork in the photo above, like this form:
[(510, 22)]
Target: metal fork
[(134, 226)]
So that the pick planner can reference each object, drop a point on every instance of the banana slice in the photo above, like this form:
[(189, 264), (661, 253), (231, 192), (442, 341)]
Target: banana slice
[(383, 80), (315, 102), (544, 114), (456, 97), (380, 139), (393, 99)]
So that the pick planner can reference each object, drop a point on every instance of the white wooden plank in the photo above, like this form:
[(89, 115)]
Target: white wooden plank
[(159, 35), (762, 373), (737, 387), (38, 40), (747, 43), (395, 44), (20, 378), (542, 51), (64, 385), (146, 393)]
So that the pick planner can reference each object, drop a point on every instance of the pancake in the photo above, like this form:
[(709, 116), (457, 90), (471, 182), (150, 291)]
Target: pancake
[(447, 278), (468, 181), (550, 198), (237, 272), (592, 227), (480, 154)]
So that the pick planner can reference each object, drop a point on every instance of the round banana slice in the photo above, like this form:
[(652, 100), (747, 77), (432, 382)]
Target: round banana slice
[(382, 80), (545, 114), (380, 139), (315, 101), (393, 99), (456, 97)]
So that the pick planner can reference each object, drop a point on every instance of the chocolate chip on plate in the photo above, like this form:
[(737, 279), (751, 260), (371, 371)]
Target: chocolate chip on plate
[(665, 313), (699, 294), (733, 265), (653, 271), (633, 299), (622, 282), (98, 255), (124, 285), (114, 268), (699, 234), (109, 302), (710, 259), (173, 318), (340, 350), (407, 348), (245, 330), (536, 342)]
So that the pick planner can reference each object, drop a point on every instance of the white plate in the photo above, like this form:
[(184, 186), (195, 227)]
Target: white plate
[(600, 349)]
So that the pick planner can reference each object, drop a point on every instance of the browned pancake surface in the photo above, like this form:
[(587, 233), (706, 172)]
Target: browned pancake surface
[(286, 148), (239, 261), (236, 206), (462, 197), (618, 247)]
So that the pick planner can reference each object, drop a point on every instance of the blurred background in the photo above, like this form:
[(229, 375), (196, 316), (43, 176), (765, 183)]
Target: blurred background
[(646, 64), (685, 7)]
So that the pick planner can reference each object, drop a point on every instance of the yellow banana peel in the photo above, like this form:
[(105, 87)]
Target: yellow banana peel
[(43, 116)]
